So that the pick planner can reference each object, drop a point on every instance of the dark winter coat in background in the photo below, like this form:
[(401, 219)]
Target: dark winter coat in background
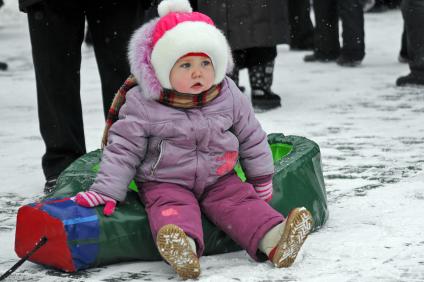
[(24, 4), (249, 23)]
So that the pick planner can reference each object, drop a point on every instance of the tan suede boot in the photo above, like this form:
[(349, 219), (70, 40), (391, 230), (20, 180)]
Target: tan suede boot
[(175, 248), (298, 225), (295, 230)]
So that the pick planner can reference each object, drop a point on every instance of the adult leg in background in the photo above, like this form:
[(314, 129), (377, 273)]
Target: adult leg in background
[(301, 28), (111, 24), (56, 31), (352, 17), (413, 15), (326, 33)]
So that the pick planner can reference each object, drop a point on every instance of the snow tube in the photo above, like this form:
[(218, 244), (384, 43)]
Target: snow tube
[(79, 238)]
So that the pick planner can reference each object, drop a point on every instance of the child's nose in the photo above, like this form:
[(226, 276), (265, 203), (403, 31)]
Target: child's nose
[(196, 72)]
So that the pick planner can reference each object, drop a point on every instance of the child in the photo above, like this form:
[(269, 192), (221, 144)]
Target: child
[(180, 134)]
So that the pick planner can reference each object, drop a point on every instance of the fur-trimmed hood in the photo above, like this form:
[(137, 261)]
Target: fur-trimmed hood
[(139, 53), (139, 56)]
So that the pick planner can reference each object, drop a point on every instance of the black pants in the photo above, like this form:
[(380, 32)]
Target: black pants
[(250, 57), (301, 28), (404, 43), (256, 60), (389, 3), (413, 15), (327, 13), (56, 31)]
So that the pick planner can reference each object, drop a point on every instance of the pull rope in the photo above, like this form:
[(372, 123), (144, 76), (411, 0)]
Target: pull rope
[(37, 246)]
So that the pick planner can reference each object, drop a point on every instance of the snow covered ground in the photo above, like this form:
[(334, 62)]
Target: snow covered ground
[(370, 132)]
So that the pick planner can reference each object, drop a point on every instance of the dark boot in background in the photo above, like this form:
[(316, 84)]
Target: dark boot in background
[(50, 185), (410, 80), (260, 77), (3, 66), (317, 58), (348, 62)]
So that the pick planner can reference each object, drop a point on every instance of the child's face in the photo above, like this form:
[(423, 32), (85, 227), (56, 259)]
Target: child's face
[(192, 74)]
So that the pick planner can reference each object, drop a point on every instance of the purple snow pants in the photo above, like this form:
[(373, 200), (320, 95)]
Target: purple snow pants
[(232, 205)]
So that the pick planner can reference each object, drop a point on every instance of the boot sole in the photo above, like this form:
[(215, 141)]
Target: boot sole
[(349, 64), (265, 105), (174, 247), (298, 226)]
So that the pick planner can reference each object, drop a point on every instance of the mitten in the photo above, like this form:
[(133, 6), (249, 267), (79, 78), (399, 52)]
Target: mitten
[(263, 186), (91, 199)]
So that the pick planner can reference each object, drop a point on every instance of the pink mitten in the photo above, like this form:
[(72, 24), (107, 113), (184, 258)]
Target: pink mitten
[(263, 186), (91, 199)]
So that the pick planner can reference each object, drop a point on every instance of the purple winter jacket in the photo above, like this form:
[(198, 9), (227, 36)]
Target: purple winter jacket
[(189, 147)]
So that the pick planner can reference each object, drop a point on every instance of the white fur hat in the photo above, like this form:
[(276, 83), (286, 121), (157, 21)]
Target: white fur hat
[(180, 31)]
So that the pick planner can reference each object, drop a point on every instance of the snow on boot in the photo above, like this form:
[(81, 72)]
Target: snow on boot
[(174, 246), (298, 225)]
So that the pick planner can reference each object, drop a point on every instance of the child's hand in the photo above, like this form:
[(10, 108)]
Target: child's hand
[(263, 186), (91, 199)]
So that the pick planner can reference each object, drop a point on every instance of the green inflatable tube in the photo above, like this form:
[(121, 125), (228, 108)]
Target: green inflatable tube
[(125, 236)]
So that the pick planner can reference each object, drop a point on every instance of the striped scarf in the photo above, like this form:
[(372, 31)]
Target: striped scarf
[(167, 97), (187, 101), (117, 103)]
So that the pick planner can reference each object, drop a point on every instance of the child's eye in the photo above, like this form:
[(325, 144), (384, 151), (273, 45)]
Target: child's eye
[(206, 63), (185, 65)]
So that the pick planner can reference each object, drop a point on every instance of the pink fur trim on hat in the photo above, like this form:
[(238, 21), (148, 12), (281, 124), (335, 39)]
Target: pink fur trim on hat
[(139, 53)]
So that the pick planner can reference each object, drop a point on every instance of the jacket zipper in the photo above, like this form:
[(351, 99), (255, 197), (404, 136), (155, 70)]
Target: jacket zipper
[(155, 165)]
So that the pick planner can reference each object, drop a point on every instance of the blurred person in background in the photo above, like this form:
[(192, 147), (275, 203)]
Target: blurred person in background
[(56, 31), (413, 16), (403, 53), (253, 28), (383, 6), (3, 65), (301, 27), (327, 45)]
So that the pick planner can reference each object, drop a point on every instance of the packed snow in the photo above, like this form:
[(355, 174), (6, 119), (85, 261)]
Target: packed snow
[(371, 136)]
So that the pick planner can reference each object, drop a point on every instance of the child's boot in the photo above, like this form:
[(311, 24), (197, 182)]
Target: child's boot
[(260, 77), (179, 251), (283, 242)]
